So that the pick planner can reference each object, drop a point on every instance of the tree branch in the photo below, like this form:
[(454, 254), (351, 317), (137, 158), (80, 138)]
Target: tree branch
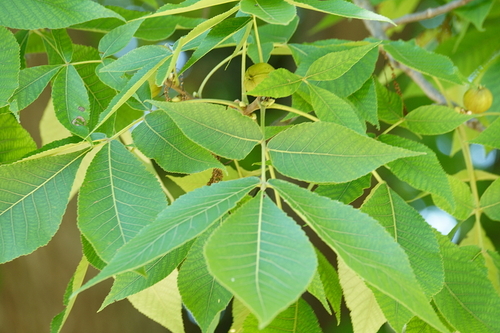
[(376, 30), (428, 13)]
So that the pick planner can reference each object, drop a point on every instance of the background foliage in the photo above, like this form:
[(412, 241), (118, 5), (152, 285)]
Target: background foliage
[(260, 210)]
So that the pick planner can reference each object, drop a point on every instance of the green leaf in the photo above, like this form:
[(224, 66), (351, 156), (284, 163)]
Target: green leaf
[(32, 81), (15, 141), (118, 38), (324, 152), (335, 64), (340, 8), (220, 33), (186, 218), (416, 325), (475, 12), (331, 283), (162, 303), (263, 257), (423, 172), (71, 101), (117, 199), (299, 317), (462, 196), (345, 192), (365, 102), (187, 6), (411, 232), (421, 60), (395, 313), (138, 58), (159, 137), (390, 105), (270, 11), (162, 27), (365, 313), (10, 63), (490, 136), (63, 44), (200, 292), (329, 107), (90, 253), (130, 283), (279, 83), (33, 14), (363, 244), (468, 300), (317, 289), (223, 131), (490, 201), (33, 198), (434, 119)]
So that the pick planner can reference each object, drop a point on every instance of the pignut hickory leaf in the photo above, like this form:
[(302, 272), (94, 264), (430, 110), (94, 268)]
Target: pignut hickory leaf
[(324, 152), (186, 218), (263, 257)]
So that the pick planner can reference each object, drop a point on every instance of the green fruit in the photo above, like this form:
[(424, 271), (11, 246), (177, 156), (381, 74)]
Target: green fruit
[(478, 100), (255, 74)]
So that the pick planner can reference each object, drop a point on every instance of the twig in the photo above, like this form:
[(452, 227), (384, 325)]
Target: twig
[(428, 13), (376, 30)]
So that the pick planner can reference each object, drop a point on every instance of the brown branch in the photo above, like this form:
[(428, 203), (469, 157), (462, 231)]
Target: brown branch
[(376, 30), (428, 13)]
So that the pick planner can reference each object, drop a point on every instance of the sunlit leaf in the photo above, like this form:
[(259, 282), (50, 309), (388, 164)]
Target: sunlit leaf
[(434, 119), (462, 196), (263, 257), (270, 11), (490, 201), (279, 83), (490, 136)]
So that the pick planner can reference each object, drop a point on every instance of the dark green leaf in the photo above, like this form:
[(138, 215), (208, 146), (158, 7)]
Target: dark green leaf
[(324, 152), (331, 284), (345, 192), (263, 257), (33, 198), (160, 28), (390, 105), (365, 102)]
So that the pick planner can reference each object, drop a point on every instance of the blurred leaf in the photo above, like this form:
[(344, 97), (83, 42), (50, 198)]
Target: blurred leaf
[(365, 313), (331, 284), (159, 137), (490, 201), (299, 317), (223, 131), (317, 289), (340, 8), (200, 292), (462, 196), (32, 81), (138, 58), (240, 313), (324, 152), (335, 64), (490, 136), (161, 303), (345, 192), (423, 172), (186, 218), (118, 38), (263, 257), (468, 300), (162, 27), (475, 12), (270, 11), (411, 232), (421, 60), (363, 244), (33, 197), (417, 325), (10, 62), (329, 107), (33, 14), (15, 141), (279, 83), (187, 6), (117, 199), (434, 119)]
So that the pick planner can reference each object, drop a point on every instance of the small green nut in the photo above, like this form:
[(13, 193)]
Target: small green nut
[(478, 99), (255, 74)]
